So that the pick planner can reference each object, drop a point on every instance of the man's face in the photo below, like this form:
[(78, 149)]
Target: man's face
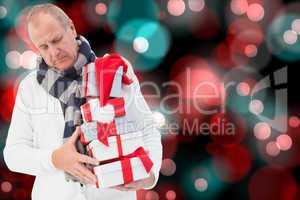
[(56, 43)]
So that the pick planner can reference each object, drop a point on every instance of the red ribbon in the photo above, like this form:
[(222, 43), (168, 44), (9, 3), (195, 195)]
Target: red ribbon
[(82, 138), (85, 77), (105, 130), (105, 69), (126, 166), (119, 106), (87, 112), (117, 103)]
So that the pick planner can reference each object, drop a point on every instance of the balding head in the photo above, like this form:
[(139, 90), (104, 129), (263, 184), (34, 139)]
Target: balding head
[(49, 9), (54, 35)]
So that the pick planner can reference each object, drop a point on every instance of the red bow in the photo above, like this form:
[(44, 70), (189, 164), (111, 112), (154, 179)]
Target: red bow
[(105, 130), (126, 165), (106, 68)]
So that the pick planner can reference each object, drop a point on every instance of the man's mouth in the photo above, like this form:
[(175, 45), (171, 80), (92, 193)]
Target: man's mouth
[(61, 60)]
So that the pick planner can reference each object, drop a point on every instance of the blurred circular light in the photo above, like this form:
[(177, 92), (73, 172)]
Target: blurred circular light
[(196, 5), (251, 50), (243, 89), (256, 107), (272, 149), (279, 181), (239, 7), (255, 12), (13, 59), (279, 35), (156, 35), (6, 186), (201, 184), (140, 44), (176, 7), (284, 142), (29, 59), (296, 26), (232, 163), (3, 12), (100, 8), (170, 195), (294, 121), (158, 38), (168, 167), (159, 119), (290, 37), (262, 130), (151, 195)]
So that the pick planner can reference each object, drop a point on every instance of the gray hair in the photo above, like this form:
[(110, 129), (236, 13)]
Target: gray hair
[(50, 9)]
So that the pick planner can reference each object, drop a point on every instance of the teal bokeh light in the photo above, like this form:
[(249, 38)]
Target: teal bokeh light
[(157, 37), (275, 40), (202, 170), (121, 12)]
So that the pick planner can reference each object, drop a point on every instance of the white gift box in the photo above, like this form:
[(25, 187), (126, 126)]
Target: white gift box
[(117, 83), (90, 130), (91, 111), (123, 171), (89, 81), (119, 145), (94, 130)]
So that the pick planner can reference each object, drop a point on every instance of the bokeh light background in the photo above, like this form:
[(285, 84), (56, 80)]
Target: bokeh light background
[(234, 45)]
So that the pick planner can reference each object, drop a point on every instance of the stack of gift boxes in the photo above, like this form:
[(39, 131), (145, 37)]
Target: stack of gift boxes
[(121, 155)]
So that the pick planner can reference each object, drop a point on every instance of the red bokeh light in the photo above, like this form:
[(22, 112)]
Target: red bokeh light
[(272, 183), (232, 163), (100, 8), (255, 12), (223, 56), (7, 100), (207, 25), (285, 159), (195, 77), (170, 143), (168, 167), (294, 121)]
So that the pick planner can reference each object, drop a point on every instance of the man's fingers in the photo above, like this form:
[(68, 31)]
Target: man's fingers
[(133, 184), (78, 176), (75, 135), (121, 188), (87, 159), (87, 174)]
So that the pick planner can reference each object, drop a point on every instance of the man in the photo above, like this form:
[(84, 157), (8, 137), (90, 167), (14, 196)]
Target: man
[(36, 143)]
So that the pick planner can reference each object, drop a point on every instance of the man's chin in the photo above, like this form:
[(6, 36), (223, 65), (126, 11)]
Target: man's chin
[(64, 65)]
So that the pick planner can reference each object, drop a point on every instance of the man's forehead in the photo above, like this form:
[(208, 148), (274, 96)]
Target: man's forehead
[(42, 27)]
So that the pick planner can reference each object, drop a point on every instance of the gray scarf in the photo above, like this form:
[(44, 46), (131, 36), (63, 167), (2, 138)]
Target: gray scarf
[(66, 85)]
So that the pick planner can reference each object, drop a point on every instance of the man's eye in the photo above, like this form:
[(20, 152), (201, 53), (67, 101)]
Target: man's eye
[(57, 40), (44, 47)]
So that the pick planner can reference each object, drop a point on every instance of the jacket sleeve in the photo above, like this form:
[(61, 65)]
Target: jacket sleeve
[(152, 136), (20, 155)]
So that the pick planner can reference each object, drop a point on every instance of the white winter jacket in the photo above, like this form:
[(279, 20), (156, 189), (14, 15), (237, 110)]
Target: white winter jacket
[(37, 127)]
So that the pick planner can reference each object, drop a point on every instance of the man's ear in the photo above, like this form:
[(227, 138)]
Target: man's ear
[(72, 27)]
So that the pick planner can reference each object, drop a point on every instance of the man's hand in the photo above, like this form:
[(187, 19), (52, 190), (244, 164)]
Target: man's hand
[(66, 158), (137, 185)]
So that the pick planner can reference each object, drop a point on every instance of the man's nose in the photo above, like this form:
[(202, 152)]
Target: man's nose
[(54, 51)]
